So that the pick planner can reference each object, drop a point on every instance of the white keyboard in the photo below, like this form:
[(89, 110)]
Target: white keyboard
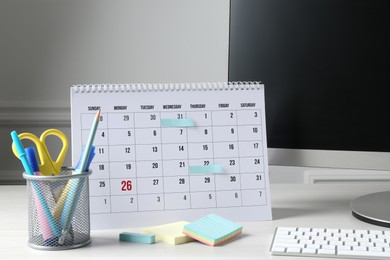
[(338, 243)]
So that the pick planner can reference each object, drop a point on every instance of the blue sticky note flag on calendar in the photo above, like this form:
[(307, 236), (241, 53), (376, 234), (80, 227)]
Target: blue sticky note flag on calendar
[(201, 169), (185, 122)]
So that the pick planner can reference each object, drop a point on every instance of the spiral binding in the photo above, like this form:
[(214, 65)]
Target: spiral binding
[(137, 87)]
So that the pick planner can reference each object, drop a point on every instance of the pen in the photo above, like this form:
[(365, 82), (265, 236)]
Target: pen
[(32, 159), (37, 193), (90, 158), (77, 184)]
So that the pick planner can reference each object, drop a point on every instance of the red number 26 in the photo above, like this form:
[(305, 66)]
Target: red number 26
[(126, 185)]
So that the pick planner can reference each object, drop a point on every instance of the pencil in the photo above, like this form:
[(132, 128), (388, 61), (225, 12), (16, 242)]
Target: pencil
[(76, 185), (92, 133)]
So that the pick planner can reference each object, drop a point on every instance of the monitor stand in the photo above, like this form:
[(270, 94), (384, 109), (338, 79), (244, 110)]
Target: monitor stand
[(373, 208)]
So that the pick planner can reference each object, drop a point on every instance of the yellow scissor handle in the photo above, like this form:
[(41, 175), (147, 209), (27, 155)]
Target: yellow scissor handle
[(47, 166), (57, 164)]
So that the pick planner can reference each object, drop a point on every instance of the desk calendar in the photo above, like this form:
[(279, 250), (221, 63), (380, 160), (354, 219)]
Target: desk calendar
[(170, 152)]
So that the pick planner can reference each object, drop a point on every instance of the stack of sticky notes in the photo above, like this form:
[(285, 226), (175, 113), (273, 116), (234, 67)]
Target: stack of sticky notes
[(212, 230), (170, 233), (137, 238)]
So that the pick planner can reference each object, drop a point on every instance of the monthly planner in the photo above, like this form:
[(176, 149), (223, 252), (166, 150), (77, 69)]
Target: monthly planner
[(173, 152)]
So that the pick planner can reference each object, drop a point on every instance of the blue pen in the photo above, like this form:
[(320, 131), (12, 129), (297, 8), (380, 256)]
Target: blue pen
[(32, 159), (90, 158), (28, 169)]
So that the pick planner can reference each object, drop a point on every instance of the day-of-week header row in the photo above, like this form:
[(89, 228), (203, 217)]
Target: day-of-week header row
[(172, 106)]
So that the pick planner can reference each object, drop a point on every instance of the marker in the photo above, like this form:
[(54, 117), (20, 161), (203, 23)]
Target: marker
[(22, 154)]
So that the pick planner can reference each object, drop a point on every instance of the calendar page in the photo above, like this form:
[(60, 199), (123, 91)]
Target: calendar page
[(170, 152)]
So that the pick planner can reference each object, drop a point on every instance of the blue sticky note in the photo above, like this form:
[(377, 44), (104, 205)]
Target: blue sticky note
[(185, 122), (137, 238), (200, 169)]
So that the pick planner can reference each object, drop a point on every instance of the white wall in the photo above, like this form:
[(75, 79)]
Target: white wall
[(48, 45)]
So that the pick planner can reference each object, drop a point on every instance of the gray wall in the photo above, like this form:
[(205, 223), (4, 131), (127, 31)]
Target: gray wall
[(48, 45)]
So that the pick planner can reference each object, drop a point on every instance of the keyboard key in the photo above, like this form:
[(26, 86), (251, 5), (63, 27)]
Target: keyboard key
[(278, 249), (376, 249), (336, 243), (363, 253), (378, 240), (332, 230), (359, 248), (326, 251), (287, 240), (326, 247), (304, 237), (344, 248), (309, 251), (283, 236), (282, 231), (348, 243), (318, 230), (311, 246), (297, 233), (367, 244), (305, 241), (382, 244), (360, 231), (288, 245), (364, 239), (293, 250)]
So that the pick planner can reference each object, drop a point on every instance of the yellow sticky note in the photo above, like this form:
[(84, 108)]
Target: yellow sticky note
[(170, 233)]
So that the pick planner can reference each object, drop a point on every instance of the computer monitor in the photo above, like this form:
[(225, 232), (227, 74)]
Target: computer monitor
[(325, 65)]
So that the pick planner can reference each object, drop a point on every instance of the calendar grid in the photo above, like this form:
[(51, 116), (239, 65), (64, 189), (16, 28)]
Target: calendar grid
[(162, 194), (214, 192)]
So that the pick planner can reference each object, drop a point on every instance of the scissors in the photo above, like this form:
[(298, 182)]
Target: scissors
[(48, 166)]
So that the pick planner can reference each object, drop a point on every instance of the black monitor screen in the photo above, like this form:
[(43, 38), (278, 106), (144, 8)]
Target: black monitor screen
[(326, 69)]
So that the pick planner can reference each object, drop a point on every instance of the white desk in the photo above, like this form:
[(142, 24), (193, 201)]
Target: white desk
[(325, 205)]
